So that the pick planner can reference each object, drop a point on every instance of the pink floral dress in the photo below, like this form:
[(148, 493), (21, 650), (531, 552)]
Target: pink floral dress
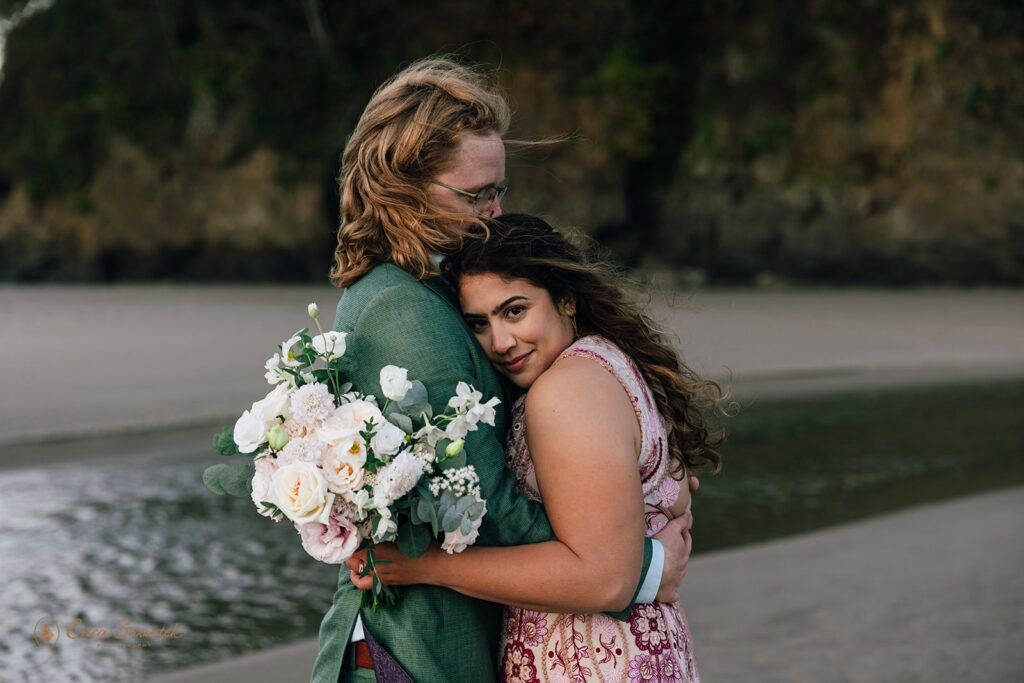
[(654, 643)]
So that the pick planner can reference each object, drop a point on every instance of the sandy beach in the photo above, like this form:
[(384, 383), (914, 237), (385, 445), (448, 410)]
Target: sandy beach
[(929, 593), (134, 358)]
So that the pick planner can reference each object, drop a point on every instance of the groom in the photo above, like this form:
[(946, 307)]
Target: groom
[(425, 160)]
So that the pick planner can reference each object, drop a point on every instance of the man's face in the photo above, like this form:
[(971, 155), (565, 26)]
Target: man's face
[(479, 163)]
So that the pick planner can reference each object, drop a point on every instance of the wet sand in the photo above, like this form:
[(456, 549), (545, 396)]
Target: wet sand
[(932, 593), (93, 360)]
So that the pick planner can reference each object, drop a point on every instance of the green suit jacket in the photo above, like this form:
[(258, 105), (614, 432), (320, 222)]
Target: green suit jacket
[(435, 634)]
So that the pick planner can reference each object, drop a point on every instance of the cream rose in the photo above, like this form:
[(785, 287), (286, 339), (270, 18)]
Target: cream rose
[(347, 420), (343, 466), (300, 491)]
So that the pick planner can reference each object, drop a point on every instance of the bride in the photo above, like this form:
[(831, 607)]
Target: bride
[(610, 424)]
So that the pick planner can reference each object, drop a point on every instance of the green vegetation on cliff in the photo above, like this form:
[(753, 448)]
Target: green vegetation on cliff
[(869, 140)]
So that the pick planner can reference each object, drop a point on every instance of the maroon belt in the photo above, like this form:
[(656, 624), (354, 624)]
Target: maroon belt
[(361, 655)]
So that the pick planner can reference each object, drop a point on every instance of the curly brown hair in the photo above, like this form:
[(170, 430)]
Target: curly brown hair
[(406, 135), (525, 247)]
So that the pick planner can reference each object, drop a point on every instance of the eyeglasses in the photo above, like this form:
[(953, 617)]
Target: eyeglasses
[(482, 198)]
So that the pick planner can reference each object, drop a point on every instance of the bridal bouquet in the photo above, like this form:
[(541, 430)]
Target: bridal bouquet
[(347, 470)]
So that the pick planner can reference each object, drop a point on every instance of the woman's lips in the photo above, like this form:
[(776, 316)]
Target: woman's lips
[(516, 364)]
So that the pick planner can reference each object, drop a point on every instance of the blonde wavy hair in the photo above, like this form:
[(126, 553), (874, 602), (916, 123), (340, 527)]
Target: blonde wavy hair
[(407, 135)]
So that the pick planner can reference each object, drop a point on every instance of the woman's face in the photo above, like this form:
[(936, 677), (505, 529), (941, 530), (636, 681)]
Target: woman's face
[(519, 326), (478, 163)]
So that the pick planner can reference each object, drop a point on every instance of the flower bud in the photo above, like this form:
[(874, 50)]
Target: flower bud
[(277, 437), (314, 311), (454, 448)]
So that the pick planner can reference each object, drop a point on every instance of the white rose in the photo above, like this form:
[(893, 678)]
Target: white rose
[(394, 382), (250, 432), (273, 404), (343, 467), (387, 440), (300, 491), (330, 344), (347, 420)]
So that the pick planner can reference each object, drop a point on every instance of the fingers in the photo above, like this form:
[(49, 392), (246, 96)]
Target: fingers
[(694, 484), (361, 582)]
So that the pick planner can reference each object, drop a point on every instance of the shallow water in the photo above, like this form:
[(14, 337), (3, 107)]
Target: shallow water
[(139, 537)]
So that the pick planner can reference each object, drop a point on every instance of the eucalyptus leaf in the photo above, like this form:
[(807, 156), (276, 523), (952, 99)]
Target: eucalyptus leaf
[(464, 504), (417, 394), (475, 510), (467, 526), (418, 410), (456, 462), (236, 479), (403, 422), (211, 477), (413, 539), (224, 441), (428, 513), (345, 388), (451, 520)]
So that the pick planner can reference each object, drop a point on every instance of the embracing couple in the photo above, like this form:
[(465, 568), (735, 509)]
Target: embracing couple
[(575, 575)]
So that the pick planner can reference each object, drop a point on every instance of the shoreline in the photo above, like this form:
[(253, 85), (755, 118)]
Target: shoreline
[(805, 607)]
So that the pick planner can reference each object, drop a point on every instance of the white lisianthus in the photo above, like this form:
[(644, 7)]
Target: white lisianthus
[(330, 345), (484, 412), (250, 432), (313, 310), (305, 449), (394, 382), (387, 440), (273, 404), (347, 420), (311, 404), (465, 397), (343, 467), (275, 373), (288, 352), (300, 491), (397, 478)]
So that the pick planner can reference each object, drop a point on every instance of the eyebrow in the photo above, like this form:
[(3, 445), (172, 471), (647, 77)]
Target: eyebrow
[(497, 308)]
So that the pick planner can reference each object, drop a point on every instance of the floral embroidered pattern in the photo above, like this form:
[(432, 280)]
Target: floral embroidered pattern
[(654, 643)]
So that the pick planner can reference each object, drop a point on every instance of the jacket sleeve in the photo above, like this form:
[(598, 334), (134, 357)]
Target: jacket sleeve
[(414, 329)]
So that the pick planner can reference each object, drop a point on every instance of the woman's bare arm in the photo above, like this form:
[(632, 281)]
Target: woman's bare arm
[(582, 436)]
